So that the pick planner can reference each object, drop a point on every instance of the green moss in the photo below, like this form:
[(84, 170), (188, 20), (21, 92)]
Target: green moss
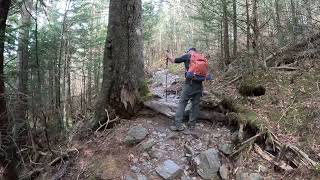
[(144, 91)]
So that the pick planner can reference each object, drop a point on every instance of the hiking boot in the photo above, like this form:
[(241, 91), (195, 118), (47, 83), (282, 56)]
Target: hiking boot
[(176, 128)]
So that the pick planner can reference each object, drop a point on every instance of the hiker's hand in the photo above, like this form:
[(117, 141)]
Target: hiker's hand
[(169, 56)]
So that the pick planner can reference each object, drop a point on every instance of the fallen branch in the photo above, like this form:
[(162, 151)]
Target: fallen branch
[(269, 157), (246, 144), (107, 123), (287, 68), (234, 80)]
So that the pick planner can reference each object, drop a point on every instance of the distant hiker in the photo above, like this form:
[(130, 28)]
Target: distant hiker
[(196, 66)]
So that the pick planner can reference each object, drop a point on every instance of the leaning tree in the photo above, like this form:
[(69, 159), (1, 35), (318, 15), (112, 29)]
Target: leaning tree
[(123, 75)]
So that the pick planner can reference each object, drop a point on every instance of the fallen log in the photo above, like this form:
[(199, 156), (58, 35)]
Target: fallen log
[(169, 109)]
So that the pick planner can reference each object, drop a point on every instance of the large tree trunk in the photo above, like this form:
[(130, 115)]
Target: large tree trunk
[(8, 152), (123, 75), (22, 71)]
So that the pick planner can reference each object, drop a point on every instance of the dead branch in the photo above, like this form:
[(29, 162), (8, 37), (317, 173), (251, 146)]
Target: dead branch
[(107, 123), (286, 68), (269, 157), (246, 143), (63, 156), (240, 134), (235, 80)]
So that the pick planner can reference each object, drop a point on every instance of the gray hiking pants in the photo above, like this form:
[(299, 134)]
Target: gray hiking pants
[(191, 91)]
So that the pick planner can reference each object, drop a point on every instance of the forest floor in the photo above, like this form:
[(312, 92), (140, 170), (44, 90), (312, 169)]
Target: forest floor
[(105, 155)]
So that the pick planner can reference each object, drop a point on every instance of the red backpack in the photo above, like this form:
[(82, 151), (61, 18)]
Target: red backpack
[(198, 67)]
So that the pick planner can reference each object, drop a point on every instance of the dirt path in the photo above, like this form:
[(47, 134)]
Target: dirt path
[(106, 156)]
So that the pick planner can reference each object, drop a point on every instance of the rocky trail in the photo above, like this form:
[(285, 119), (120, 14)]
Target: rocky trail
[(144, 148)]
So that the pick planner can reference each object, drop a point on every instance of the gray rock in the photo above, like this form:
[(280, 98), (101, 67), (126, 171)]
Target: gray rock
[(234, 137), (226, 148), (224, 172), (185, 177), (246, 176), (141, 177), (208, 163), (135, 135), (135, 169), (242, 176), (146, 146), (255, 176), (157, 153), (169, 170), (263, 168), (129, 178)]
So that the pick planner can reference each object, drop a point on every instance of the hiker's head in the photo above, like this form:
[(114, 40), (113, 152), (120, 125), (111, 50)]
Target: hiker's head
[(191, 49)]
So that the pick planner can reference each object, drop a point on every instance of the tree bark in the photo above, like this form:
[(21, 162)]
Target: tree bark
[(255, 28), (8, 153), (226, 32), (123, 75), (22, 71), (235, 30), (248, 25), (280, 36), (294, 21)]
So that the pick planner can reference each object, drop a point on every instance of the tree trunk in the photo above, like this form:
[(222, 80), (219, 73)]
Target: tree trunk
[(89, 83), (123, 75), (22, 74), (248, 25), (58, 74), (226, 32), (255, 28), (294, 22), (235, 30), (309, 15), (8, 153), (280, 36)]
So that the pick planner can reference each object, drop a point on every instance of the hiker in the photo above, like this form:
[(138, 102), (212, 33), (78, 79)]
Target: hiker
[(196, 73)]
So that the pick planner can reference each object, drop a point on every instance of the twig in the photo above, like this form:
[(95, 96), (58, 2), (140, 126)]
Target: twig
[(234, 80), (318, 86), (106, 123), (286, 111), (285, 68)]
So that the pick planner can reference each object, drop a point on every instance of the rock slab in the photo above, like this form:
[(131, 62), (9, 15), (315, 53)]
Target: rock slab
[(135, 135), (226, 148), (208, 163), (146, 146), (141, 177), (169, 170), (224, 172)]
